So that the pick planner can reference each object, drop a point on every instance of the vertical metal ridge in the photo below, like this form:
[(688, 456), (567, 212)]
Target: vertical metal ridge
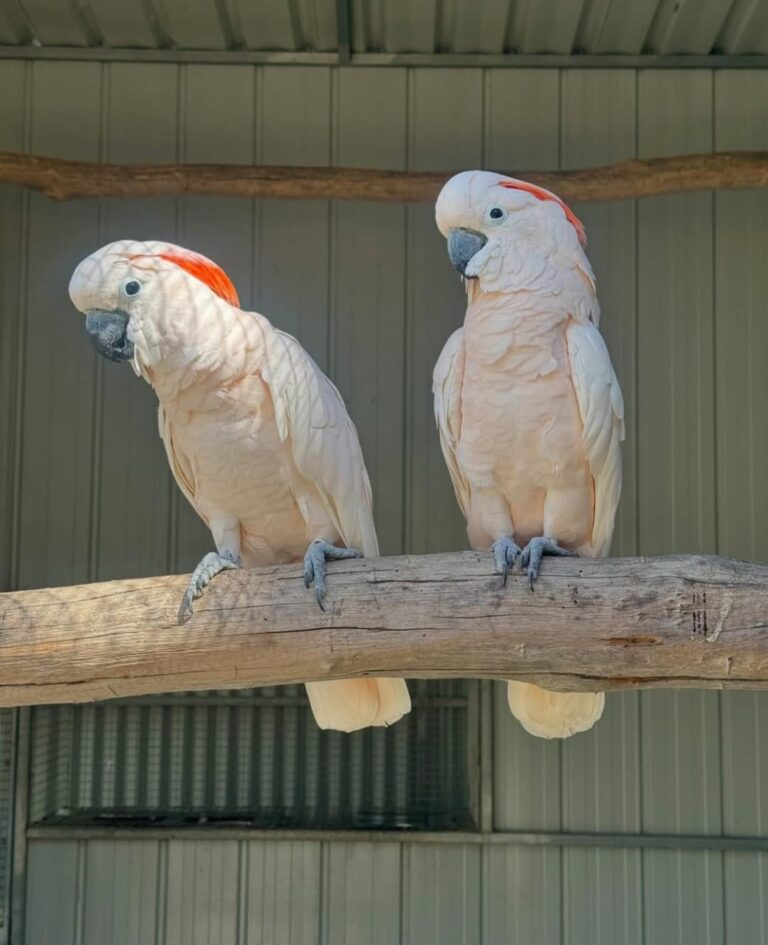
[(408, 464), (331, 297), (21, 344), (715, 360), (325, 895), (243, 866), (80, 892), (19, 820), (178, 204), (161, 915), (98, 374)]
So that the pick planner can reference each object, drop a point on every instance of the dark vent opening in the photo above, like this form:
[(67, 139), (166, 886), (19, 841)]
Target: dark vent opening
[(253, 758)]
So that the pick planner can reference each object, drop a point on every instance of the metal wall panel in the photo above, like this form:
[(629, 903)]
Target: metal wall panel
[(120, 892), (741, 336), (361, 894), (192, 892), (368, 259), (7, 813), (132, 537), (598, 117), (676, 396), (434, 306), (741, 329), (282, 890), (441, 894), (58, 416), (54, 894), (202, 893), (522, 896), (14, 107)]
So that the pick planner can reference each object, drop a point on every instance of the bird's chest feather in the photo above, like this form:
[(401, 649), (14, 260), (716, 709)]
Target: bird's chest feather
[(234, 451), (521, 427)]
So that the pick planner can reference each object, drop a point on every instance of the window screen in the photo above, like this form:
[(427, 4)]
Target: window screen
[(254, 757)]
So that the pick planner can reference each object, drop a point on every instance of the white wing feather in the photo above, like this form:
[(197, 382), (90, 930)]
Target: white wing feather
[(602, 414), (179, 463), (447, 382), (311, 415)]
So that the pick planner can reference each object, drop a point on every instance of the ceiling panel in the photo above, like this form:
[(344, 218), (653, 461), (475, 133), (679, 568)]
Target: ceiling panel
[(432, 27)]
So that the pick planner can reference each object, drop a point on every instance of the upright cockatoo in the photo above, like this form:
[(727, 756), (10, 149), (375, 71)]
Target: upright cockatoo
[(528, 407), (258, 439)]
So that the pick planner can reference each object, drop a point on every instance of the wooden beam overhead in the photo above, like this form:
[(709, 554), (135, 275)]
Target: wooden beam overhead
[(66, 180)]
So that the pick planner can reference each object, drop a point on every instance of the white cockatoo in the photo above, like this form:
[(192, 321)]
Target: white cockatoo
[(257, 437), (527, 403)]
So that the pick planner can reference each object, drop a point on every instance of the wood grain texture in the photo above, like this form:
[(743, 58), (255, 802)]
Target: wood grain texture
[(65, 180), (690, 621)]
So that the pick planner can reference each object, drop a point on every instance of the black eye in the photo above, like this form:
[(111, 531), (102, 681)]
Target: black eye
[(132, 287), (496, 213)]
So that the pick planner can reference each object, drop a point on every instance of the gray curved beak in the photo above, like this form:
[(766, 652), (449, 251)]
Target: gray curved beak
[(463, 245), (108, 331)]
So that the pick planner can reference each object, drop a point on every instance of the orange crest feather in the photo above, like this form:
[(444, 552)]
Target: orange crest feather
[(206, 271), (541, 194)]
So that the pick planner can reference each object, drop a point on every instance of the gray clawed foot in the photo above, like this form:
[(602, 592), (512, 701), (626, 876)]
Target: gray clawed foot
[(505, 553), (315, 565), (208, 568), (535, 550)]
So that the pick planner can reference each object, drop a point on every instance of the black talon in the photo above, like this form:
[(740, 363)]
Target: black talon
[(505, 553), (208, 568), (318, 553), (530, 557)]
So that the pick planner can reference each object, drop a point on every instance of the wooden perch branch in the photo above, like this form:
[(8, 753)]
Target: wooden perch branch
[(64, 180), (615, 624)]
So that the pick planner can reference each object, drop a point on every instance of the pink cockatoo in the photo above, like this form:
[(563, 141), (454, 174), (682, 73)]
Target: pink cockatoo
[(258, 439), (528, 406)]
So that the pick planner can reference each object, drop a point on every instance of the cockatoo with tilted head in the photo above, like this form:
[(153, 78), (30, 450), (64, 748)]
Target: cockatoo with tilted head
[(528, 407), (257, 437)]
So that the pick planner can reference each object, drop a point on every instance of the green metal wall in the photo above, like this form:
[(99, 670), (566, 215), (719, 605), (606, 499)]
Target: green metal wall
[(85, 494)]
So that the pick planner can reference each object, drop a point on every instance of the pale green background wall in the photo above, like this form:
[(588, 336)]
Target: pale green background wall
[(85, 494)]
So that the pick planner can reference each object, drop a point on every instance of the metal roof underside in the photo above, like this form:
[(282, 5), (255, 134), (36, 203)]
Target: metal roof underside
[(436, 28)]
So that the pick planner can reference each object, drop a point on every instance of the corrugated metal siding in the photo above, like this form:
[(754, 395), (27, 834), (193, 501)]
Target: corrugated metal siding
[(397, 26), (682, 285), (7, 736), (185, 892)]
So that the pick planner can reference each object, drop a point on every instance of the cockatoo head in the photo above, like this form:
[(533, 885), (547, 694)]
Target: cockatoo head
[(498, 227), (138, 293)]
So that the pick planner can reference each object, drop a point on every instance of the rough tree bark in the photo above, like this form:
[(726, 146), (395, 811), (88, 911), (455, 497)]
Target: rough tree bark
[(64, 180), (620, 623)]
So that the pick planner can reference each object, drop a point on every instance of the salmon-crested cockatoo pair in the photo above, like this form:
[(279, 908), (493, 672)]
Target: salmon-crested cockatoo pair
[(528, 407), (258, 439)]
